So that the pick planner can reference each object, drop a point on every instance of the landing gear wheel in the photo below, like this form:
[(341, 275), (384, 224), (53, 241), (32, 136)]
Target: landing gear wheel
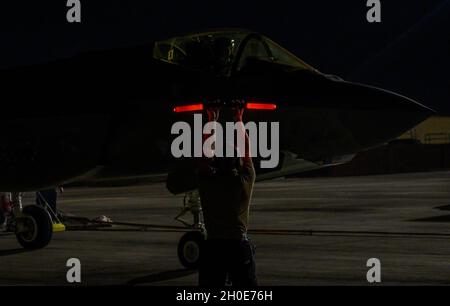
[(34, 228), (2, 217), (189, 249)]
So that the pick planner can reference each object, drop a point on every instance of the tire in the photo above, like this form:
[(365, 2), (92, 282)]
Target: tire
[(189, 249), (39, 225), (2, 217)]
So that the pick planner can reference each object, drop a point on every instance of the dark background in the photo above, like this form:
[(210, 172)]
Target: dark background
[(407, 52)]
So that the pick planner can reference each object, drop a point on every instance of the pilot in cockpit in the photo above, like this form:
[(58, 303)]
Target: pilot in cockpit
[(211, 54)]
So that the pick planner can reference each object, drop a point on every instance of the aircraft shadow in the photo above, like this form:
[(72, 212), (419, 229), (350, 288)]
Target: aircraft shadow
[(12, 252), (162, 276), (445, 218), (445, 207)]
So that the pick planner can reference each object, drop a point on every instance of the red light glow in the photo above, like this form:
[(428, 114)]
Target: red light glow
[(188, 108), (261, 106)]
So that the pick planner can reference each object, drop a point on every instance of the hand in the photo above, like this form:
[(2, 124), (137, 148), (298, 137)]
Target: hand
[(238, 113), (213, 113)]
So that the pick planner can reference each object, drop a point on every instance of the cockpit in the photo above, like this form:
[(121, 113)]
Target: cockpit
[(226, 53)]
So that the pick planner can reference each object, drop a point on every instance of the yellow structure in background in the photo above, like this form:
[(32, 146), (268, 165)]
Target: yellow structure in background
[(434, 130)]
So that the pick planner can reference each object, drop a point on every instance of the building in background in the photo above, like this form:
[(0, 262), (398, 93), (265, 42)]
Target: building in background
[(424, 148), (434, 130)]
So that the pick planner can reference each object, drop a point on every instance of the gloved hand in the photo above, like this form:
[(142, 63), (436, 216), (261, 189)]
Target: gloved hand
[(213, 113), (238, 113)]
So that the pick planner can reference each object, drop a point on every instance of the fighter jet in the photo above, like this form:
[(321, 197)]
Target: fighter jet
[(104, 118)]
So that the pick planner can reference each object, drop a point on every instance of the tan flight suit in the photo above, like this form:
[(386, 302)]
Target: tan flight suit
[(227, 254)]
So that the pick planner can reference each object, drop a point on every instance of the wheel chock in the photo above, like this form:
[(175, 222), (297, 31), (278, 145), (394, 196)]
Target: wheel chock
[(58, 227)]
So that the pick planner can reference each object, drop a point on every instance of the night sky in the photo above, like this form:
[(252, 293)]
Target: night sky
[(408, 52)]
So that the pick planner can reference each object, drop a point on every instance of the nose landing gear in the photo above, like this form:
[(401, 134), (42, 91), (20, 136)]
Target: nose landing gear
[(189, 249), (189, 246), (34, 227), (32, 224)]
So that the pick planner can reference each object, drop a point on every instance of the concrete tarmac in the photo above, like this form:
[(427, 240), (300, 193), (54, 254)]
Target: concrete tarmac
[(318, 231)]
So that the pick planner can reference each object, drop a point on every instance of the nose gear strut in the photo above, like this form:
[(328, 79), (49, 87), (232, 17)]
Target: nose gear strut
[(192, 204), (189, 245)]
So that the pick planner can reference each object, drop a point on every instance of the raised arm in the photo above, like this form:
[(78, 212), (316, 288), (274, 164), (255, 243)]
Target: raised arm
[(248, 172), (204, 164)]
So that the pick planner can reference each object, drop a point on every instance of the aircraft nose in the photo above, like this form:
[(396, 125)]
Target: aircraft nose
[(383, 115), (408, 113), (405, 105)]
